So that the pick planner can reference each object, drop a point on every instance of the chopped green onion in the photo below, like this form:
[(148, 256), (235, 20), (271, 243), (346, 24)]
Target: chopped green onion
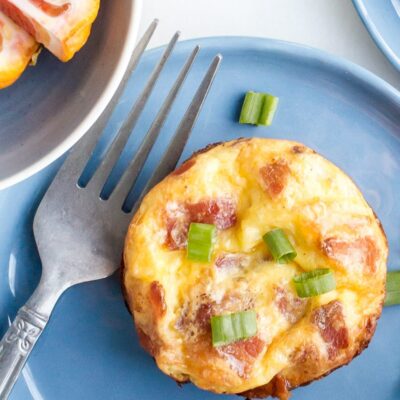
[(279, 246), (229, 328), (200, 242), (258, 109), (392, 288), (314, 283)]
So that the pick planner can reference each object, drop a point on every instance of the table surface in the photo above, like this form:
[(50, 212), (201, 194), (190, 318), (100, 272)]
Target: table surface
[(330, 25)]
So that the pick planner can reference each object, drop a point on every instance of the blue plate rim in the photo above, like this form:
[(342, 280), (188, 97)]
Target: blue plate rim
[(338, 64), (376, 36)]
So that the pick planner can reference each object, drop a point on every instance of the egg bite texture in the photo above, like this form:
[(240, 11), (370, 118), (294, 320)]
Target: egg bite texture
[(246, 188)]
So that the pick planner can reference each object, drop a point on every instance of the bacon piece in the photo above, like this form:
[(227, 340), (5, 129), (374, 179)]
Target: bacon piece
[(50, 9), (184, 167), (147, 343), (203, 316), (330, 322), (157, 299), (220, 212), (18, 17), (242, 354), (177, 224), (275, 177), (292, 307), (362, 252), (195, 319), (278, 387)]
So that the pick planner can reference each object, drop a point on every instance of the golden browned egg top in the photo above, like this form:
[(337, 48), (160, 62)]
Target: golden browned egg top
[(246, 188)]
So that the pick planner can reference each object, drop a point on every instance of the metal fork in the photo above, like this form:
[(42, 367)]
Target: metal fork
[(80, 236)]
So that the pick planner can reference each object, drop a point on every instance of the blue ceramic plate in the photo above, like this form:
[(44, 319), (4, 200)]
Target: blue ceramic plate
[(382, 19), (90, 350)]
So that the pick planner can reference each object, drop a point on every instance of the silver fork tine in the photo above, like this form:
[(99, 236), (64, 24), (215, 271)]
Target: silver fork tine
[(176, 146), (132, 172), (103, 171), (81, 152)]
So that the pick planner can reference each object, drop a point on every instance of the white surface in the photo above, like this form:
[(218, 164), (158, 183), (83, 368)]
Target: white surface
[(331, 25)]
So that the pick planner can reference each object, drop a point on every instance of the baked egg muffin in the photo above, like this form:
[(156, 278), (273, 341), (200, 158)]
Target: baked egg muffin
[(255, 267)]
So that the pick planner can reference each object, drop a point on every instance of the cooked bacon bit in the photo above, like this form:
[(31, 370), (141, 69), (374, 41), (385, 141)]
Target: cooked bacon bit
[(278, 387), (145, 341), (220, 212), (50, 9), (298, 149), (332, 326), (229, 260), (244, 352), (203, 316), (292, 307), (275, 176), (177, 224), (184, 167), (363, 252), (195, 320), (17, 16), (157, 299)]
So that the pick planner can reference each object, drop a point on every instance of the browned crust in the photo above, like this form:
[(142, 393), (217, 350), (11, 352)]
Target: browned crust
[(123, 288), (277, 387), (212, 145), (204, 149), (274, 390)]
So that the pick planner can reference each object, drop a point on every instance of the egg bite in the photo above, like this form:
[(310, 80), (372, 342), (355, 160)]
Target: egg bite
[(62, 26), (246, 188), (16, 51)]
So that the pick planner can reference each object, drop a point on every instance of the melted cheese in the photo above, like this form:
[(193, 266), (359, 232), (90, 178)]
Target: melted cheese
[(16, 50), (317, 202)]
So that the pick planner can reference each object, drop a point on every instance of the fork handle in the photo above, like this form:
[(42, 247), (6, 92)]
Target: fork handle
[(16, 346), (24, 332)]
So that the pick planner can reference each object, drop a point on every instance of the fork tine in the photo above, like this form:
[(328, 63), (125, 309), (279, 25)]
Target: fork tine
[(103, 171), (176, 146), (81, 152), (132, 172)]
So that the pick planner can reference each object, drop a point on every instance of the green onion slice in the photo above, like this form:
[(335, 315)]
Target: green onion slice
[(279, 246), (392, 288), (200, 242), (314, 283), (229, 328), (258, 109)]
